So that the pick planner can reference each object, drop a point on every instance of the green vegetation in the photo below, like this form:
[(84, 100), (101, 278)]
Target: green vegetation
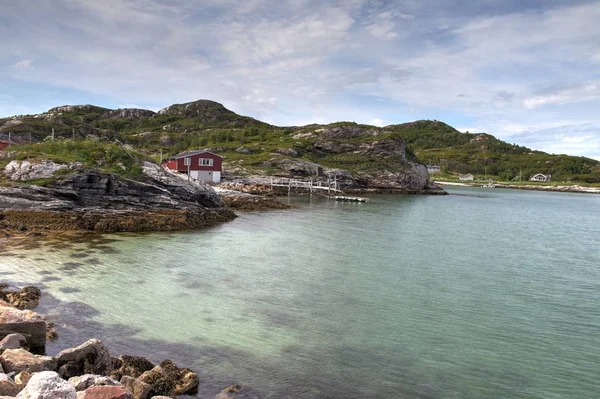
[(206, 124), (483, 155), (91, 153)]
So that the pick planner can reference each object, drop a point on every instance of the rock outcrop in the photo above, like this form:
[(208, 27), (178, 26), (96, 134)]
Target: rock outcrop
[(97, 201), (25, 170)]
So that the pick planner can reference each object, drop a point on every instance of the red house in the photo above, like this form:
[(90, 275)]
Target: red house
[(200, 165), (4, 144)]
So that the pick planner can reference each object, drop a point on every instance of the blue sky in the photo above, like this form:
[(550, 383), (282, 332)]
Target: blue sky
[(526, 71)]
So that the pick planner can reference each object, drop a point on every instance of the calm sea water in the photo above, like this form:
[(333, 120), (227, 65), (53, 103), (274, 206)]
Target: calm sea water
[(480, 294)]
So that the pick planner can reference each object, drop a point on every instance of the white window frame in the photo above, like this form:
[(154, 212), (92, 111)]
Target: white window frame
[(209, 162), (187, 161)]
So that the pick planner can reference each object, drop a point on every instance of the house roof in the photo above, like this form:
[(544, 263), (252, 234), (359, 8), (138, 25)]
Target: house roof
[(192, 153), (540, 174)]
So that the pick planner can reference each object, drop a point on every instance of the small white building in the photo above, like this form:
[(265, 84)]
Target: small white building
[(433, 168), (468, 176), (541, 177)]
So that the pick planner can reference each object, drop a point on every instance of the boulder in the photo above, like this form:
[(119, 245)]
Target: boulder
[(13, 341), (92, 357), (47, 385), (83, 382), (25, 322), (170, 380), (17, 360), (138, 388), (131, 366), (7, 386), (105, 392), (225, 393)]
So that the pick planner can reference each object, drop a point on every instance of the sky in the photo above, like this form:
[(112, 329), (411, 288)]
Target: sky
[(526, 71)]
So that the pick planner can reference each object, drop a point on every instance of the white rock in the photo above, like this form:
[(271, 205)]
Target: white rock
[(47, 385)]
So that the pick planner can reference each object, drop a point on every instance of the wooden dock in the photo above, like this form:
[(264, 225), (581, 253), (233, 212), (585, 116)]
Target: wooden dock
[(330, 186), (343, 198)]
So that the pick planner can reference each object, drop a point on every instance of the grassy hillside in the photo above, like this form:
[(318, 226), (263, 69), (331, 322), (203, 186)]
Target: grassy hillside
[(251, 146), (482, 154)]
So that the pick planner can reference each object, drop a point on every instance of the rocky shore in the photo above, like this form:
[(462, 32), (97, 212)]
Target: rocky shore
[(96, 201), (562, 189), (87, 371)]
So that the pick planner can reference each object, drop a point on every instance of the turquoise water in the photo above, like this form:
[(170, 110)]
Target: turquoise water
[(484, 293)]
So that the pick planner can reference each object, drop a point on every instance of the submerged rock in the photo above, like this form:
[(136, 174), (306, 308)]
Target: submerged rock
[(91, 357), (47, 385), (170, 380), (26, 298)]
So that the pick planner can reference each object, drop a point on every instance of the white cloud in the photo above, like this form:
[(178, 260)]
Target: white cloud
[(24, 64), (588, 91), (503, 71), (377, 122)]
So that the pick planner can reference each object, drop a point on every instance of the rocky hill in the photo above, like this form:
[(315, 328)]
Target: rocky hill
[(365, 156)]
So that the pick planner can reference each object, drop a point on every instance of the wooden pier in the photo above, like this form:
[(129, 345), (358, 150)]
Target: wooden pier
[(351, 199), (330, 186)]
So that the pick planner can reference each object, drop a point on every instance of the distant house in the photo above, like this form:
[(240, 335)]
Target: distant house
[(468, 176), (4, 144), (433, 168), (541, 177), (200, 165)]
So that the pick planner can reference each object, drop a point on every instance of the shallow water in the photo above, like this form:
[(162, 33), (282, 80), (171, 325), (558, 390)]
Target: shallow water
[(485, 293)]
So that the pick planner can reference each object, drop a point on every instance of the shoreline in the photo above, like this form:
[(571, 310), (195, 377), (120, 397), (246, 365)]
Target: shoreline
[(563, 189)]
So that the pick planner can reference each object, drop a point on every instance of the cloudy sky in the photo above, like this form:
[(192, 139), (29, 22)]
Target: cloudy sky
[(527, 71)]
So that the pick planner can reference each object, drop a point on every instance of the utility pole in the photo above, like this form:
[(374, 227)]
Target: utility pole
[(73, 134), (29, 137), (9, 138), (52, 134), (161, 156)]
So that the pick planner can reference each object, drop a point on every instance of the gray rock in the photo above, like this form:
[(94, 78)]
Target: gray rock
[(83, 382), (91, 357), (17, 360), (47, 385), (13, 341), (25, 322)]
